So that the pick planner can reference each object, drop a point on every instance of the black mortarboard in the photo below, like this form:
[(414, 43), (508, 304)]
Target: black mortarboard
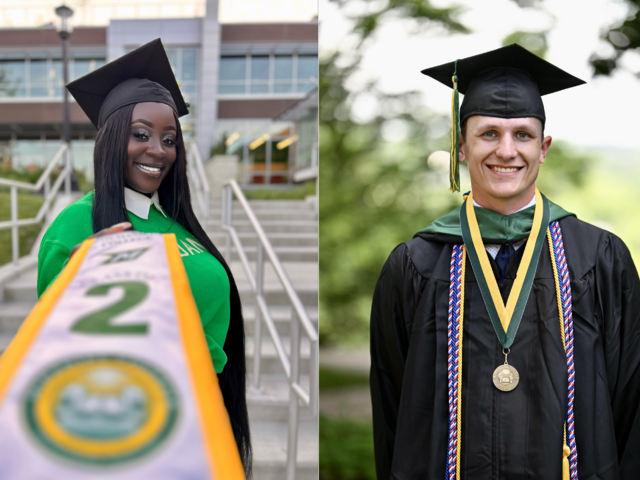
[(507, 83), (143, 75)]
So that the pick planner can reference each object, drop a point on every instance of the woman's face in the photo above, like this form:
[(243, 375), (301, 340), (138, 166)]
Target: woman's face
[(151, 151)]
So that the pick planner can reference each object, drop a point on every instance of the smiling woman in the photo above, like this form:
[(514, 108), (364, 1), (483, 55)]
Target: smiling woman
[(151, 151), (141, 183)]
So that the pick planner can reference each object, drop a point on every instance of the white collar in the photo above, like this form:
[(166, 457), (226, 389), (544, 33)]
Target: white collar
[(530, 204), (139, 204)]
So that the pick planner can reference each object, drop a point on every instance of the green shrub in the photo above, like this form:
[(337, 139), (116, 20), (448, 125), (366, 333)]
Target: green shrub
[(299, 192), (346, 450)]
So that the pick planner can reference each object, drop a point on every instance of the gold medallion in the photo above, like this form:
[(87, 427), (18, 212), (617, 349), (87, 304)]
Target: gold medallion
[(505, 378)]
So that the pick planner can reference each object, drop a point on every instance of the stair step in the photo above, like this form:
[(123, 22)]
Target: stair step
[(5, 340), (247, 239), (271, 401), (285, 254), (269, 360), (308, 296), (278, 226), (12, 314), (268, 205), (281, 316), (22, 289), (269, 441), (264, 215)]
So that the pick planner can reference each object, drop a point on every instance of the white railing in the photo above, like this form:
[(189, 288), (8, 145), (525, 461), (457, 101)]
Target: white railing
[(299, 318), (50, 192), (198, 184)]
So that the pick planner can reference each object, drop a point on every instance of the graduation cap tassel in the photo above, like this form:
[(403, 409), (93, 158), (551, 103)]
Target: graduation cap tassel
[(454, 167)]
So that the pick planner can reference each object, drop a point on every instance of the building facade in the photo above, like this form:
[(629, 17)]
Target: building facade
[(238, 78)]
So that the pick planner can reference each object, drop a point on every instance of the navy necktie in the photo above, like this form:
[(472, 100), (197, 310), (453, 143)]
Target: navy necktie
[(502, 260)]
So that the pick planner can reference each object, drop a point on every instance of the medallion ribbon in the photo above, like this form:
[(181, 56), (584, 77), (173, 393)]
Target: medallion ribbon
[(505, 318)]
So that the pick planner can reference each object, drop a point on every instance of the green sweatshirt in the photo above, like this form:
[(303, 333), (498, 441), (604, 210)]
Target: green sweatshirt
[(207, 277)]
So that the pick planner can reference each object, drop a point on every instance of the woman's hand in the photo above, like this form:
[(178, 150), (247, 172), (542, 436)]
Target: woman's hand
[(117, 228)]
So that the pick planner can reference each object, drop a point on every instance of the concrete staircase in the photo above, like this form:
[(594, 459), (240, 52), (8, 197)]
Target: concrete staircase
[(293, 231)]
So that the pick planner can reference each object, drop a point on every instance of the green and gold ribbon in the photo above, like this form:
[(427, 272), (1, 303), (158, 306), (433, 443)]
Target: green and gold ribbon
[(505, 318)]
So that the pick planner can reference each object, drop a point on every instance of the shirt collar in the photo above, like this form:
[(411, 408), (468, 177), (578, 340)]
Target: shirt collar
[(530, 204), (139, 204)]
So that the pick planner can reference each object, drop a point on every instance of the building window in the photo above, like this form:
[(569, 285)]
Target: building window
[(283, 74), (267, 74), (184, 62), (12, 78), (307, 73), (307, 133), (263, 148), (41, 76), (82, 66)]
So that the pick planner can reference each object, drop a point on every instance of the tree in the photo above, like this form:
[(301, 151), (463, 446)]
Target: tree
[(373, 194), (622, 37)]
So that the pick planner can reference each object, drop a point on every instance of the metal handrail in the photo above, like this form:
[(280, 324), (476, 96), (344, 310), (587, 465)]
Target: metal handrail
[(290, 364), (198, 182), (49, 194)]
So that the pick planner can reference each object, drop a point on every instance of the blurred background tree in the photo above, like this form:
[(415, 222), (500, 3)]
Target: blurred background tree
[(623, 37), (372, 180), (370, 198)]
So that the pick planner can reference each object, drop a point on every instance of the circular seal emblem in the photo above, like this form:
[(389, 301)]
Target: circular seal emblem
[(505, 378), (101, 409)]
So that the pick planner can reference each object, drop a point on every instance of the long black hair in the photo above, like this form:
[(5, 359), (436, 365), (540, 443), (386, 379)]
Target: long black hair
[(109, 163)]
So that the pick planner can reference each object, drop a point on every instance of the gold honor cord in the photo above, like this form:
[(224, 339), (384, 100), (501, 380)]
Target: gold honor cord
[(505, 313)]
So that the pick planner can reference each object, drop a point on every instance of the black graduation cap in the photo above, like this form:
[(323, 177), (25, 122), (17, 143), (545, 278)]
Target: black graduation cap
[(143, 75), (507, 83)]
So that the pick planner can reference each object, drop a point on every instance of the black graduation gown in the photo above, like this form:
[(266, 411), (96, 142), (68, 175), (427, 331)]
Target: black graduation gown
[(517, 434)]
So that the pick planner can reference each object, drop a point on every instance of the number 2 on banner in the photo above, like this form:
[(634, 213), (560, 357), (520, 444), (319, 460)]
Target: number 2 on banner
[(100, 322)]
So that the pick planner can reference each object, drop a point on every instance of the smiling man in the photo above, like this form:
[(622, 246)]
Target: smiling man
[(505, 337)]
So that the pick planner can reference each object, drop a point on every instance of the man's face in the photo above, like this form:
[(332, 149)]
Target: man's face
[(504, 157)]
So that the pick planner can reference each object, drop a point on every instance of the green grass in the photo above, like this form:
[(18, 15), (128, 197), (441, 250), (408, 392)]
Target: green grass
[(346, 446), (346, 450), (28, 206), (331, 379), (295, 193)]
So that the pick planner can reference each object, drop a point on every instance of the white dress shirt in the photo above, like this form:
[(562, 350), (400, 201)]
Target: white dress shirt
[(139, 204)]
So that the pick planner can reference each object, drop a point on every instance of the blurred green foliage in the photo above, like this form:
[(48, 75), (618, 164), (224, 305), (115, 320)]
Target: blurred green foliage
[(31, 175), (371, 190), (298, 192), (330, 378), (535, 42), (346, 450), (622, 37)]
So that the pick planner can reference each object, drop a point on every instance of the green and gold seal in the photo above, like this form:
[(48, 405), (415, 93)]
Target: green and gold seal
[(101, 409)]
